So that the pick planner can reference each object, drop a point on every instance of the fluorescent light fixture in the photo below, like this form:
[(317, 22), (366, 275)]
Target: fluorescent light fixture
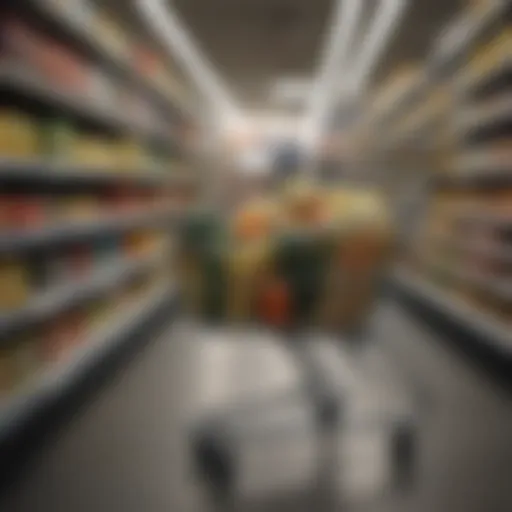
[(166, 24), (339, 37), (335, 60), (383, 25)]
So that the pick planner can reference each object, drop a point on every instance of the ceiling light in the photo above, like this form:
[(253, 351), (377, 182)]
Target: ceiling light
[(340, 33), (383, 24), (166, 24)]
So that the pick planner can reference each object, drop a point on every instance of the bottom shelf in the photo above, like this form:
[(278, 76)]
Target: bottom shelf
[(495, 334), (47, 386)]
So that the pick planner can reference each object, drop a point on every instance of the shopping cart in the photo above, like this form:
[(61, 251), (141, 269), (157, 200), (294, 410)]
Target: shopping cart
[(330, 393), (297, 422)]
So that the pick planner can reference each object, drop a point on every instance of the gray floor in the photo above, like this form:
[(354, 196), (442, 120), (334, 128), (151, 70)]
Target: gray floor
[(126, 450)]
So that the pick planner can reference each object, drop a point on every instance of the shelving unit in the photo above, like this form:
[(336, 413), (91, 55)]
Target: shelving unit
[(61, 298), (493, 333), (447, 125), (46, 171), (46, 387), (81, 36), (66, 233), (81, 223)]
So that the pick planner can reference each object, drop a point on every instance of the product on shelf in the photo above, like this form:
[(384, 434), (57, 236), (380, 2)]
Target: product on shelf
[(130, 156), (22, 211), (19, 135), (78, 209), (93, 152), (52, 59)]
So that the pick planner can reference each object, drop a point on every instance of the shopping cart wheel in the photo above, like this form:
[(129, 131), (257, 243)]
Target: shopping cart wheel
[(403, 454), (214, 460)]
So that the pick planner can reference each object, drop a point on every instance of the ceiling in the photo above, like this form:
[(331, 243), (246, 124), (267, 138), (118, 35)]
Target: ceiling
[(254, 42), (251, 43)]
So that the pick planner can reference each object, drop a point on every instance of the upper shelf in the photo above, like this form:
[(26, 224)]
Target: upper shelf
[(29, 84), (460, 36), (75, 31)]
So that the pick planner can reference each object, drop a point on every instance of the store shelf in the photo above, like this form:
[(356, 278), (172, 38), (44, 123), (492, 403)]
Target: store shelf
[(65, 233), (492, 332), (485, 167), (46, 171), (482, 120), (48, 386), (492, 79), (62, 298), (458, 38), (90, 44), (24, 81)]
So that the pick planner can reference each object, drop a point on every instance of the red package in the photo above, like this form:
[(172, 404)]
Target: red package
[(22, 212), (275, 304)]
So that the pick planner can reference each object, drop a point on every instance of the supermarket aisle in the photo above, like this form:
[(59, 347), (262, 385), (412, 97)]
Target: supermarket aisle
[(125, 451)]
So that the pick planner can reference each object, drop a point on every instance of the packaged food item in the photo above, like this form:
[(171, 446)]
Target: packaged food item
[(79, 209), (130, 156), (94, 152), (25, 211), (19, 137)]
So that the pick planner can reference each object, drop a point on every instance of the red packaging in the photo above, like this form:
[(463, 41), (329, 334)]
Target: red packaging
[(22, 43), (22, 212)]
